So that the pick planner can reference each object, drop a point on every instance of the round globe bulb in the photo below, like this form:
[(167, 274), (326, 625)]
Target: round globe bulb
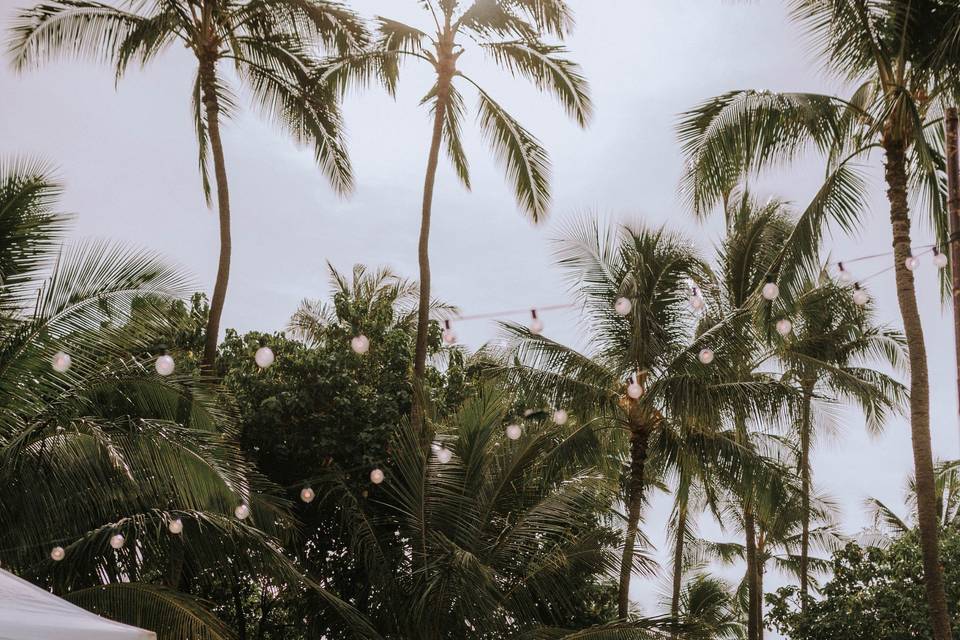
[(242, 512), (376, 476), (940, 260), (449, 336), (61, 362), (911, 263), (784, 327), (623, 306), (57, 554), (164, 365), (117, 541), (536, 327), (706, 356), (697, 303), (176, 526), (560, 417), (264, 357), (514, 432), (360, 344), (634, 390), (307, 495), (860, 297), (444, 455), (770, 291), (845, 276)]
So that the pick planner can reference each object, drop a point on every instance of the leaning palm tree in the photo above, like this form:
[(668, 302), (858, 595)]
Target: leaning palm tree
[(267, 42), (828, 355), (112, 478), (647, 373), (512, 33), (480, 536), (893, 51)]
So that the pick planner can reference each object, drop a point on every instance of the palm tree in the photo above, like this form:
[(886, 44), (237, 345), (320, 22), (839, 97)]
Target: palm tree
[(512, 33), (490, 542), (825, 357), (267, 41), (95, 444), (642, 374), (891, 525), (709, 610), (893, 51)]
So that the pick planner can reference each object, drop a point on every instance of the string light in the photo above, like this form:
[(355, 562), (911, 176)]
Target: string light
[(360, 344), (623, 306), (560, 417), (845, 276), (536, 324), (860, 297), (376, 476), (634, 390), (175, 527), (448, 335), (706, 356), (164, 365), (242, 512), (784, 326), (514, 432), (770, 291), (307, 495), (57, 554), (444, 455), (911, 263), (696, 300), (264, 357), (117, 541), (61, 362), (939, 259)]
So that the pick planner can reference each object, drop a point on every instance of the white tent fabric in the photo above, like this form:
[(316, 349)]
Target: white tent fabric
[(27, 612)]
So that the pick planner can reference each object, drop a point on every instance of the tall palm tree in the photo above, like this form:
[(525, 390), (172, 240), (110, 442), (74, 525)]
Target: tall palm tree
[(893, 52), (512, 33), (642, 373), (105, 446), (827, 356), (487, 543), (268, 43)]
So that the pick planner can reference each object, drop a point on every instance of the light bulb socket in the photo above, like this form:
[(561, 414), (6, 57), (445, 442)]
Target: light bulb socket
[(533, 313), (446, 325)]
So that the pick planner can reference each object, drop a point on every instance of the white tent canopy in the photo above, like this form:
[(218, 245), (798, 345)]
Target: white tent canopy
[(27, 612)]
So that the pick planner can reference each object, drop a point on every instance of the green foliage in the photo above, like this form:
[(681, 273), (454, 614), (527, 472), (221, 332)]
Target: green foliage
[(875, 593)]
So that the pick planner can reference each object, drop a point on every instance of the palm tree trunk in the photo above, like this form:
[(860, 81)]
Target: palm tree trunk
[(750, 533), (208, 86), (423, 249), (639, 439), (678, 562), (805, 493), (953, 216), (896, 177), (761, 569)]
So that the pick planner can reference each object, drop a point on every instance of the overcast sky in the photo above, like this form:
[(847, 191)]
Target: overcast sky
[(127, 156)]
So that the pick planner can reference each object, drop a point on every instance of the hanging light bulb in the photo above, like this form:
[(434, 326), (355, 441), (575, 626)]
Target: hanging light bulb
[(634, 390), (706, 356), (242, 512), (444, 455), (307, 495), (164, 365), (57, 554), (448, 335), (117, 541), (61, 362), (560, 417), (623, 306), (696, 300), (360, 344), (939, 259), (264, 357), (845, 276), (770, 291), (376, 476), (514, 432), (784, 327), (536, 324), (911, 262), (176, 526), (860, 297)]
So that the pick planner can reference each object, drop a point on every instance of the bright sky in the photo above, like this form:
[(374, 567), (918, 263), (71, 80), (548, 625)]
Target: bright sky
[(127, 156)]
